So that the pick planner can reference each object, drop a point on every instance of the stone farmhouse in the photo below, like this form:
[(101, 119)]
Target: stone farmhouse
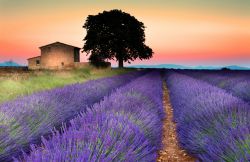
[(57, 56)]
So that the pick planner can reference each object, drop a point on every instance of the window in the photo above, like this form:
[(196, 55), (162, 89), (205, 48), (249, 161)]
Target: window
[(37, 62)]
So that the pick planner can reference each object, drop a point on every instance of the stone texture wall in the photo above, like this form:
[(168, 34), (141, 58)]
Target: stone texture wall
[(32, 63), (59, 56), (56, 56), (88, 64), (81, 64)]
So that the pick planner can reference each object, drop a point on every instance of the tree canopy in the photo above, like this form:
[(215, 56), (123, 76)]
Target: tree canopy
[(115, 35)]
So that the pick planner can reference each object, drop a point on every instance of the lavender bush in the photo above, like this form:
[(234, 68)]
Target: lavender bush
[(235, 82), (125, 126), (211, 123), (26, 119)]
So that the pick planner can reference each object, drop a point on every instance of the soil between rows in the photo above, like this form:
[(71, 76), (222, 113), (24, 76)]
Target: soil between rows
[(171, 152)]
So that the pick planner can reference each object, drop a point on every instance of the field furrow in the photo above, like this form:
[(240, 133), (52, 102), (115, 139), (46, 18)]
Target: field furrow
[(171, 151), (235, 82), (26, 119), (212, 124), (125, 126)]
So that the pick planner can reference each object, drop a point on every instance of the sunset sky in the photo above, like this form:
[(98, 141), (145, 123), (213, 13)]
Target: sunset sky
[(188, 32)]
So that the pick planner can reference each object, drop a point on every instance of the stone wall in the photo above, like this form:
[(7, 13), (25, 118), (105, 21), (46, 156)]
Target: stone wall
[(81, 64), (56, 56), (60, 56), (32, 63)]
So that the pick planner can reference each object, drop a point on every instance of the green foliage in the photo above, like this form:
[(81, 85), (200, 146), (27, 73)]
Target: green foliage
[(115, 35), (11, 88)]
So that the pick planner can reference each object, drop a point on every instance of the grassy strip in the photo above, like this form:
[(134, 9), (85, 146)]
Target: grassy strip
[(13, 85), (125, 126)]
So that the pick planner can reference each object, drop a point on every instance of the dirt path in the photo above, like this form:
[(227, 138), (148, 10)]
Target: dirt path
[(171, 152)]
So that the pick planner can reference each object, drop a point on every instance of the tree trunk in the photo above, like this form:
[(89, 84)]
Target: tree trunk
[(120, 63)]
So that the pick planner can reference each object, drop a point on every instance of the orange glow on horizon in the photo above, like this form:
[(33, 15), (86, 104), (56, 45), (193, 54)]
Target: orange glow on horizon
[(175, 34)]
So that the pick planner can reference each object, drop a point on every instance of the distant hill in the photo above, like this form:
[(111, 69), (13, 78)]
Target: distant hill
[(9, 63), (174, 66), (207, 68), (231, 67), (166, 66), (235, 67)]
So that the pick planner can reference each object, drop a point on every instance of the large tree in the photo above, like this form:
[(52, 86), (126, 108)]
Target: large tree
[(115, 35)]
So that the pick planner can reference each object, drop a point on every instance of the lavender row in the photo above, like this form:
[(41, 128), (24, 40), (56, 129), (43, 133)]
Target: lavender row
[(125, 126), (235, 82), (212, 124), (26, 119)]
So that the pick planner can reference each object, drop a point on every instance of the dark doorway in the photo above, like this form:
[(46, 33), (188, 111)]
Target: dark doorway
[(76, 55)]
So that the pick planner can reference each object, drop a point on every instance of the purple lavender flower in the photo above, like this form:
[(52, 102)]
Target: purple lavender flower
[(26, 119), (235, 82), (125, 126), (212, 124)]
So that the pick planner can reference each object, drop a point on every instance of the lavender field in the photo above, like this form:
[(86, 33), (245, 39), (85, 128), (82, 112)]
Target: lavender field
[(125, 126), (26, 119), (213, 123), (120, 118), (235, 82)]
